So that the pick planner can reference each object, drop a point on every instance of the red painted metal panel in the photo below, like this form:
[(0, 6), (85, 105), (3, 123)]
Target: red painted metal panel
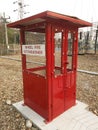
[(72, 19), (37, 68), (70, 90), (35, 93), (57, 96)]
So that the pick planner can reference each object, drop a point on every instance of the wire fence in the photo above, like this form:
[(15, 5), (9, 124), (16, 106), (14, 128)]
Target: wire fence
[(11, 50)]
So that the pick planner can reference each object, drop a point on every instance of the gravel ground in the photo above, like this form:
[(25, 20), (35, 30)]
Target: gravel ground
[(87, 85), (11, 89)]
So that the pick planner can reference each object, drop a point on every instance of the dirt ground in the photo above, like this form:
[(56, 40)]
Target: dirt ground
[(11, 88)]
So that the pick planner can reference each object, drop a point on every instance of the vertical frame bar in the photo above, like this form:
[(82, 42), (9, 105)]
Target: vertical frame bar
[(75, 55), (22, 41), (64, 51), (75, 50), (23, 57), (49, 66)]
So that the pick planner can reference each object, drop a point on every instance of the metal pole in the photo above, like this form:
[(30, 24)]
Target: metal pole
[(6, 34), (96, 40), (20, 9)]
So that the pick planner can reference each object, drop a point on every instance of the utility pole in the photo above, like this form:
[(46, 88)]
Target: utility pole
[(5, 27), (96, 40), (20, 9)]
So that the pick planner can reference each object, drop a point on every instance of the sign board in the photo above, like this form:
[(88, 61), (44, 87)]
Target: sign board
[(35, 50)]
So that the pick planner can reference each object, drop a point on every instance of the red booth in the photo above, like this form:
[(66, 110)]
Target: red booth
[(52, 38)]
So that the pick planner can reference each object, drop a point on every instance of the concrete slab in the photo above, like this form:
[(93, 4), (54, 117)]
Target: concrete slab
[(76, 118)]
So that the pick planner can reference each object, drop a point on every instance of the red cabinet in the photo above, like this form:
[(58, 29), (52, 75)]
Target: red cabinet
[(50, 87)]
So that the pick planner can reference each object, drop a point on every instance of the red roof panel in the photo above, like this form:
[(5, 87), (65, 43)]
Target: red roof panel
[(49, 14)]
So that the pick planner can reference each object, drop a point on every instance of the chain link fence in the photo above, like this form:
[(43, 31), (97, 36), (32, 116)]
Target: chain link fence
[(12, 49)]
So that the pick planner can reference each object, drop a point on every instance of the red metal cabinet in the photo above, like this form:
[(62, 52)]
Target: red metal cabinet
[(51, 94)]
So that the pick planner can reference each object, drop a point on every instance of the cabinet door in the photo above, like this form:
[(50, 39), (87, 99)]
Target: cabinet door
[(70, 73)]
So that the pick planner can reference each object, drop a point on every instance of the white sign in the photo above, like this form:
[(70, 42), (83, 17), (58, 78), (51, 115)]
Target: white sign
[(35, 50)]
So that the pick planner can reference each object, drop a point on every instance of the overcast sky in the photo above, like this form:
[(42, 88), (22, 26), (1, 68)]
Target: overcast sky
[(84, 9)]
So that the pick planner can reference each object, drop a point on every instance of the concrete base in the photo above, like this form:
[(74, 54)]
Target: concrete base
[(76, 118)]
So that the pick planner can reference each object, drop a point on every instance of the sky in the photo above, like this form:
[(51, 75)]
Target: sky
[(84, 9)]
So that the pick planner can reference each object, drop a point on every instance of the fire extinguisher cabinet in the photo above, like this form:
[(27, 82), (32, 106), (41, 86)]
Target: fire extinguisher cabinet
[(53, 92)]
